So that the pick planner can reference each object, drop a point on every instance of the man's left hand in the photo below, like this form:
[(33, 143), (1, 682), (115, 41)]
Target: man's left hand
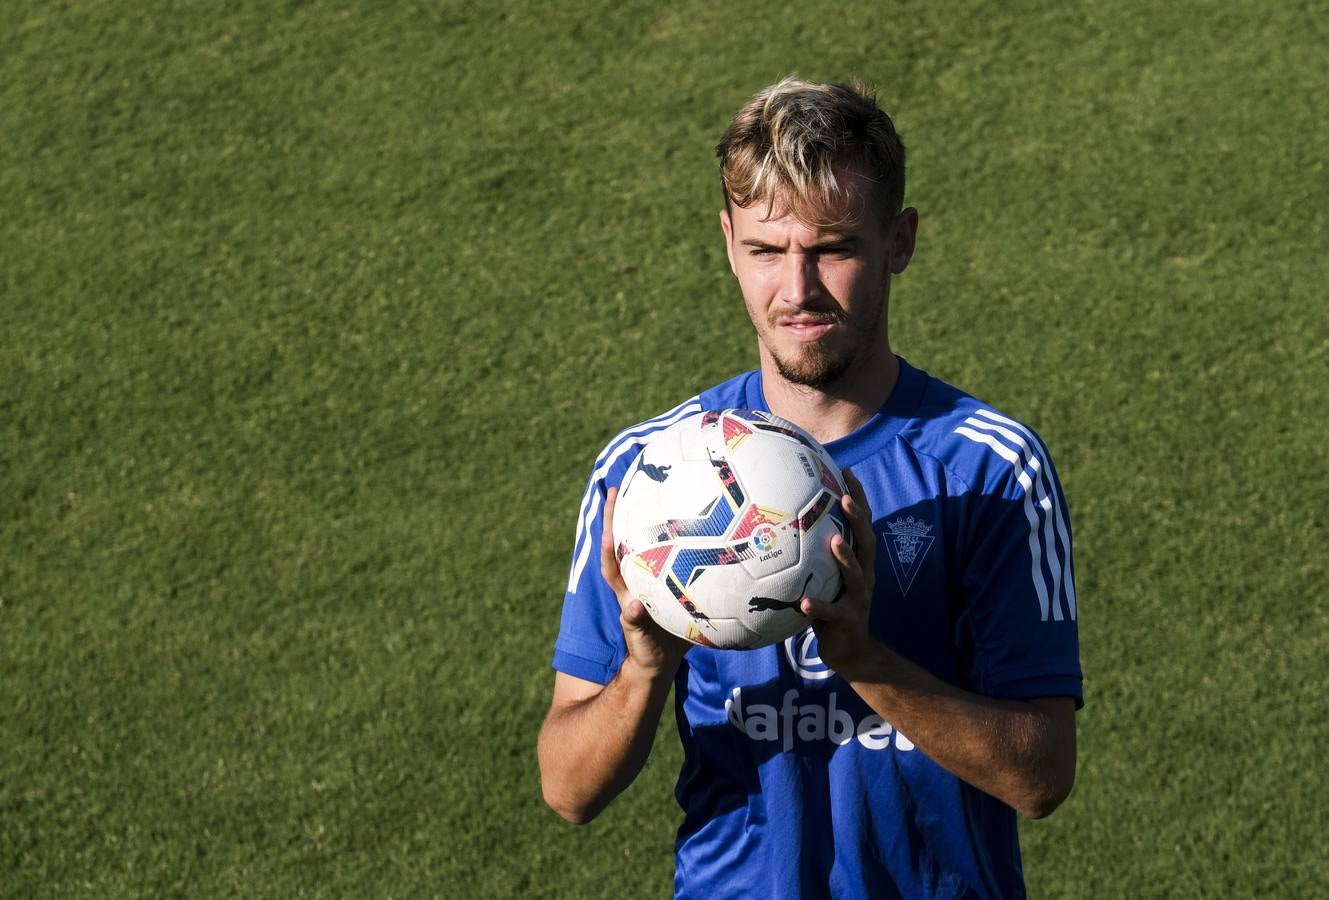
[(841, 625)]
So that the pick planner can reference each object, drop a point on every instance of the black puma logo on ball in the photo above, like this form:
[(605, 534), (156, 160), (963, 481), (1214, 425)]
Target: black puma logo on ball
[(766, 604)]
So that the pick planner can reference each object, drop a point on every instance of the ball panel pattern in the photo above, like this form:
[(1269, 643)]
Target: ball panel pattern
[(724, 522)]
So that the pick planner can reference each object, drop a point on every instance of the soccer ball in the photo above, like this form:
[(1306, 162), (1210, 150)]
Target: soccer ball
[(724, 523)]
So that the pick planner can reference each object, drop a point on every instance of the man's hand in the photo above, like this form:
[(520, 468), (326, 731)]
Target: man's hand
[(596, 739), (1019, 751), (652, 649), (842, 624)]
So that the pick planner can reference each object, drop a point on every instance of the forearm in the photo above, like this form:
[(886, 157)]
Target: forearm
[(592, 749), (1015, 750)]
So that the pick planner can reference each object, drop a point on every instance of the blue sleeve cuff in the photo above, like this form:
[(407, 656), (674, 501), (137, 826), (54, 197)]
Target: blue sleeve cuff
[(587, 661), (1056, 679)]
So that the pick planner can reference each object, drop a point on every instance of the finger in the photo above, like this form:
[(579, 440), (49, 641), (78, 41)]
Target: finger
[(822, 610), (860, 520), (852, 584), (648, 642), (608, 558), (636, 617), (635, 614), (856, 490), (851, 569), (856, 503), (611, 500)]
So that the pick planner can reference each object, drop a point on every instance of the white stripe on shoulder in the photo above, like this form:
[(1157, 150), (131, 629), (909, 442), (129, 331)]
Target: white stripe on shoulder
[(1041, 507), (623, 442), (1029, 463), (1061, 518), (1035, 550)]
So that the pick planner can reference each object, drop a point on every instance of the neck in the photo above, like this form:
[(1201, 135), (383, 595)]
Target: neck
[(834, 410)]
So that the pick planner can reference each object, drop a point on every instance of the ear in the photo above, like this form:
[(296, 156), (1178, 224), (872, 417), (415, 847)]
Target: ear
[(727, 226), (904, 235)]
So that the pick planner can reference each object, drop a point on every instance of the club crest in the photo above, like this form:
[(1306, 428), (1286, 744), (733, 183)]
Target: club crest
[(907, 541)]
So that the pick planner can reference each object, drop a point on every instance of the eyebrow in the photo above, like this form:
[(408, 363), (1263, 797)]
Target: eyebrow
[(828, 243)]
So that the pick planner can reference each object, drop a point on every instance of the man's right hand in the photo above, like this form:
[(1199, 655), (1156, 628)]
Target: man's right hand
[(652, 649), (595, 739)]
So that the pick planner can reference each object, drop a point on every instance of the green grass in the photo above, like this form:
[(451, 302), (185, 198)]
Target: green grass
[(312, 320)]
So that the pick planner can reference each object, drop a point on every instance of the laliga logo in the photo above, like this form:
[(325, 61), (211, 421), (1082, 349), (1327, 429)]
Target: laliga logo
[(763, 538), (801, 651)]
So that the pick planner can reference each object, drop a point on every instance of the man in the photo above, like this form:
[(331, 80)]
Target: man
[(886, 751)]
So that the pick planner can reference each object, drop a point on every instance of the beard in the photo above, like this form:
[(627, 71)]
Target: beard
[(819, 365), (816, 366)]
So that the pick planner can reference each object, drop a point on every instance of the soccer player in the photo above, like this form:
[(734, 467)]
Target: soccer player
[(886, 751)]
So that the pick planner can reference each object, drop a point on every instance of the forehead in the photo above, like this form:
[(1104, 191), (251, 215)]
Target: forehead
[(847, 207), (769, 221)]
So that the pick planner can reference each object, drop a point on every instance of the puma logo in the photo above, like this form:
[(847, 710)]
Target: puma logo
[(767, 604), (656, 473)]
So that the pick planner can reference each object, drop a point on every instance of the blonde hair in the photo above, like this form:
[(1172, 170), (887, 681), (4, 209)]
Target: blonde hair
[(793, 144)]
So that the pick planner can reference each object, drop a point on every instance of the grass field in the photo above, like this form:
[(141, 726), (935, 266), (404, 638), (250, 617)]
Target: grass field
[(313, 318)]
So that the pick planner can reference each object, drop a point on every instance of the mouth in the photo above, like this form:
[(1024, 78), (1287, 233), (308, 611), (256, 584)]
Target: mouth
[(805, 330)]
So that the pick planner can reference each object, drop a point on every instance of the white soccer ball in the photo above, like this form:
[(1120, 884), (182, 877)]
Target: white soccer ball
[(724, 523)]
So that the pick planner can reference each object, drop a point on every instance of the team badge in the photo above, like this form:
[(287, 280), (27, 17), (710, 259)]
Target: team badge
[(907, 541)]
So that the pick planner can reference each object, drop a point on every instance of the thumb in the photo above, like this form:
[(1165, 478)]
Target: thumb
[(635, 614)]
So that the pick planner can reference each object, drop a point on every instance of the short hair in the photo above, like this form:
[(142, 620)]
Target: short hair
[(792, 143)]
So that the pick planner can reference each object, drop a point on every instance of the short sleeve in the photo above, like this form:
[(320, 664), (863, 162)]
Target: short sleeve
[(1018, 626), (590, 637)]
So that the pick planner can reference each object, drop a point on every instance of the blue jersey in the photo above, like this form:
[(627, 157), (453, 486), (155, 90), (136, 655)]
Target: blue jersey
[(791, 785)]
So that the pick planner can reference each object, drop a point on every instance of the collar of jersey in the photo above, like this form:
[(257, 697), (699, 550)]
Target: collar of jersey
[(867, 439)]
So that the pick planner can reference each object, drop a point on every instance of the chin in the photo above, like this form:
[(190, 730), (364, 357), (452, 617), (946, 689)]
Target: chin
[(814, 373)]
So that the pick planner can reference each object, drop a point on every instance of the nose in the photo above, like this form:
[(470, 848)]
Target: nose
[(801, 280)]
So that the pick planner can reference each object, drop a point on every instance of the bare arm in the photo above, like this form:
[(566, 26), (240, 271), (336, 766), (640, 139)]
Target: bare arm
[(596, 739), (1020, 751)]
